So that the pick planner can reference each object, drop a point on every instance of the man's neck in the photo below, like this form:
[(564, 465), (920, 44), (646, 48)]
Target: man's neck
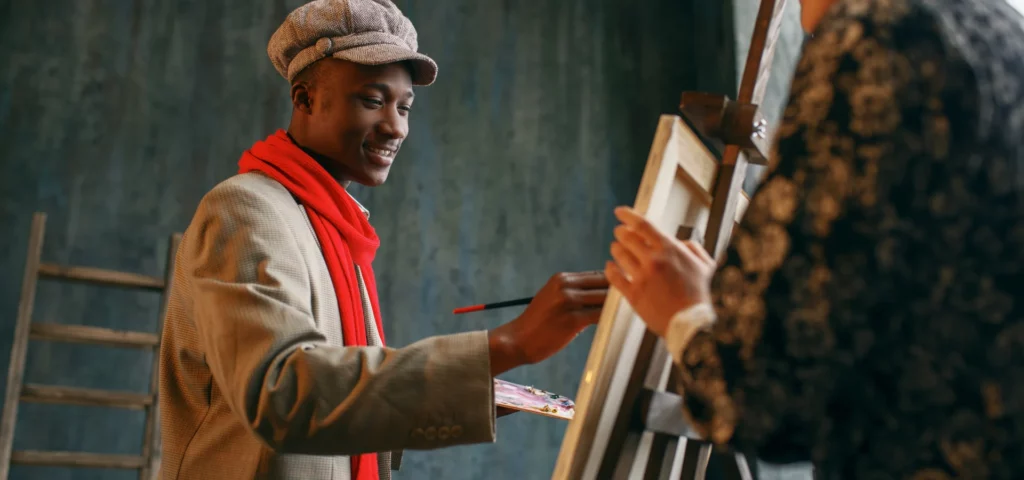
[(322, 160)]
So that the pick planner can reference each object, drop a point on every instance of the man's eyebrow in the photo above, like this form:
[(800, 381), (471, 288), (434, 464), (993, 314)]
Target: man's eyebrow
[(383, 87)]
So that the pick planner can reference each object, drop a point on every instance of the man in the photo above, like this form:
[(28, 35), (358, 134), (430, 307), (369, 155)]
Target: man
[(868, 314), (273, 363)]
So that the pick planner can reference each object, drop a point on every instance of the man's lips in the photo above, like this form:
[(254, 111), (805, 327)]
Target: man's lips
[(380, 154)]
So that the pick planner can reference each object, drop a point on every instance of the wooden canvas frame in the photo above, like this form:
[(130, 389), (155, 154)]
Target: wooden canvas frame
[(675, 191)]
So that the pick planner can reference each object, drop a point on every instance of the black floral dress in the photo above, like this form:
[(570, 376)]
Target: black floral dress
[(871, 307)]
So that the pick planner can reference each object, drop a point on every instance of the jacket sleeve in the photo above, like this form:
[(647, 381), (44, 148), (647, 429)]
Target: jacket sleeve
[(251, 293)]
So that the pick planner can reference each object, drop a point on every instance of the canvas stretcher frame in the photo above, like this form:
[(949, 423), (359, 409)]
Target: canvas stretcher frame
[(675, 191)]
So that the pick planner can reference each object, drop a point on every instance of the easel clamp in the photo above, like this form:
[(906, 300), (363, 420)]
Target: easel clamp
[(721, 121)]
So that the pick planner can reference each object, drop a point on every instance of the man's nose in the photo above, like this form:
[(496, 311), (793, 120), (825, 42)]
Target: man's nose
[(394, 125)]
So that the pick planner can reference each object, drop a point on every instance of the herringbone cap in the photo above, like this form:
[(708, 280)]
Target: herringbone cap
[(367, 32)]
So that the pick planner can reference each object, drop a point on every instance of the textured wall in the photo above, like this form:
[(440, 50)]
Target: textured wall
[(117, 115)]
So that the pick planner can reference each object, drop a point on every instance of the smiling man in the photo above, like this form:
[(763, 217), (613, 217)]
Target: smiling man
[(273, 364)]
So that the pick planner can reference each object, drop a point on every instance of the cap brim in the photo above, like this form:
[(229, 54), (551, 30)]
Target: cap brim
[(424, 68)]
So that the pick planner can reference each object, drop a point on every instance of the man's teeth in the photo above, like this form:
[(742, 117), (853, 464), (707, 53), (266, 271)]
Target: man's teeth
[(382, 152)]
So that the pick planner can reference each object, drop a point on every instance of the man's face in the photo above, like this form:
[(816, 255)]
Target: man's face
[(358, 116)]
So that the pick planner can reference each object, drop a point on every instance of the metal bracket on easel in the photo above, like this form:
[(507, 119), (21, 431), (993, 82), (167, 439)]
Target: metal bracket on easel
[(721, 121)]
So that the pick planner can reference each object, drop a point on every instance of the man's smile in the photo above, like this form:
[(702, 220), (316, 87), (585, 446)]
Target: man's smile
[(380, 154)]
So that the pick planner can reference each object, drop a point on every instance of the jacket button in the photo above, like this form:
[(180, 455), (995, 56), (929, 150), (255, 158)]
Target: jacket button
[(443, 433), (456, 431), (430, 433), (417, 433)]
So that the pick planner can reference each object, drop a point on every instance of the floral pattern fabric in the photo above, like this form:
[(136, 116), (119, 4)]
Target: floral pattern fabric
[(870, 310)]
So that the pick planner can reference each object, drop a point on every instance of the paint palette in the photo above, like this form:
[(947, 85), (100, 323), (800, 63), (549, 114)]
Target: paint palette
[(534, 400)]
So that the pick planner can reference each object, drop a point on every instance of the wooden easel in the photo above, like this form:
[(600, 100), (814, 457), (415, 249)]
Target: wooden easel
[(628, 422)]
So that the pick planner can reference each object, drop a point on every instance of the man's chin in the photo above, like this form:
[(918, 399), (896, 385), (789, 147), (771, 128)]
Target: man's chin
[(372, 179)]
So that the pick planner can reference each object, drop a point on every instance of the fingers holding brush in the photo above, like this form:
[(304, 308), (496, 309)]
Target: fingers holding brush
[(568, 303)]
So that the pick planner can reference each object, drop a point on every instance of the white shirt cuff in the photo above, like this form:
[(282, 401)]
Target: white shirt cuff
[(684, 325)]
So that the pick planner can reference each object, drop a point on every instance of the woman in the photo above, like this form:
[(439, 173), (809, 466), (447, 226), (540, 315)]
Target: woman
[(866, 316)]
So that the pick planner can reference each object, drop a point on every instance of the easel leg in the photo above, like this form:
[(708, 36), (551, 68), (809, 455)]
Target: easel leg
[(731, 466), (696, 456), (702, 462), (663, 451)]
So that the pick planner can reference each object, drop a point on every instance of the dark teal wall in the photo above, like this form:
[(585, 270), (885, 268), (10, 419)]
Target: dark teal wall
[(117, 115)]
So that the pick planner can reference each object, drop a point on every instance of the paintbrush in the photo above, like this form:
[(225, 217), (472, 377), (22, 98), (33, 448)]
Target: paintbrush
[(490, 306)]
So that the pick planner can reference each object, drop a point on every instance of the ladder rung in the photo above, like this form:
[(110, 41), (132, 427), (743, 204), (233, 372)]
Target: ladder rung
[(77, 459), (84, 396), (95, 335), (101, 276)]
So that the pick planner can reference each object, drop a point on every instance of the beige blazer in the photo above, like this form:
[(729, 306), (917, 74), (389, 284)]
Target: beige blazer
[(254, 380)]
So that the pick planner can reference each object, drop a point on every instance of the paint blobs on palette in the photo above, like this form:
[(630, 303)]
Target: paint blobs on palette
[(531, 399)]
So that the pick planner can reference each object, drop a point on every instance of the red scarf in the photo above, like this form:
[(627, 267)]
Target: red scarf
[(346, 238)]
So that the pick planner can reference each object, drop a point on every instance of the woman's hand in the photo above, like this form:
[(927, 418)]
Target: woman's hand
[(657, 274)]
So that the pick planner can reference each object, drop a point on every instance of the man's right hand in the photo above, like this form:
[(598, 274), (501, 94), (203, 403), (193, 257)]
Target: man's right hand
[(567, 304)]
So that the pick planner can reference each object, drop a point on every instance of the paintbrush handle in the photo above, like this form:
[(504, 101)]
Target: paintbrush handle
[(489, 306)]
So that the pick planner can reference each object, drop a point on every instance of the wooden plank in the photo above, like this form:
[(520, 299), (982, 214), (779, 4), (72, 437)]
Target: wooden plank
[(757, 69), (671, 467), (771, 40), (101, 276), (733, 169), (93, 335), (718, 233), (633, 391), (77, 459), (695, 456), (84, 396), (151, 437), (19, 347), (661, 447)]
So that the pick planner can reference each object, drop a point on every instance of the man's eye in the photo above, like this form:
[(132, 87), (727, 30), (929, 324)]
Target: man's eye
[(407, 108), (373, 101)]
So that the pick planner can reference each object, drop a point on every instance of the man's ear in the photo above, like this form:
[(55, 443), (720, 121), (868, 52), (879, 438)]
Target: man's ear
[(302, 97)]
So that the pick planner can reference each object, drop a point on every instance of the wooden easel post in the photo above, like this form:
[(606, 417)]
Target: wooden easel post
[(744, 130)]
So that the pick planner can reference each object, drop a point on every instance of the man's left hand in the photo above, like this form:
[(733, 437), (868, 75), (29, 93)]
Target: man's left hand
[(657, 274)]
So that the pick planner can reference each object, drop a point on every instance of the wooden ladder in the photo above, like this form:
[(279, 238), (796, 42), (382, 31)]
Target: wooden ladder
[(17, 391)]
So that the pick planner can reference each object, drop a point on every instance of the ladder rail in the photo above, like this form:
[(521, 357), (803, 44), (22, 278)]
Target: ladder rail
[(151, 435), (19, 347)]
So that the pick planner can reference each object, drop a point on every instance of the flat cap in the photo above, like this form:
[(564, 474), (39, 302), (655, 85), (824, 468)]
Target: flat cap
[(367, 32)]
